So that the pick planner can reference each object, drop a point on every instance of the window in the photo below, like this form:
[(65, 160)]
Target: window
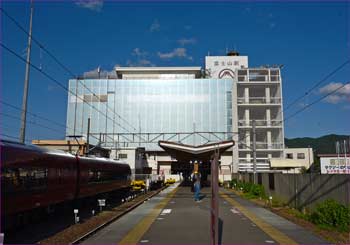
[(123, 156), (271, 181), (301, 156), (289, 155), (216, 63), (95, 98), (96, 176), (23, 179), (259, 178), (236, 63)]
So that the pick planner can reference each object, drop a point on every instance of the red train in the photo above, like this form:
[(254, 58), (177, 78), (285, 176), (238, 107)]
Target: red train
[(33, 177)]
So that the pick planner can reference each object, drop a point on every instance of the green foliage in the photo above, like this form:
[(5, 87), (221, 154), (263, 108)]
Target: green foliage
[(250, 190), (303, 170), (331, 214)]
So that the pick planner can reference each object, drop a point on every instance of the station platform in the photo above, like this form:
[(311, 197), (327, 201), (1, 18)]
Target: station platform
[(173, 217)]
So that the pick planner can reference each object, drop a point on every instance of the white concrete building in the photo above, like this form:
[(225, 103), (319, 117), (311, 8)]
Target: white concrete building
[(192, 105), (256, 96)]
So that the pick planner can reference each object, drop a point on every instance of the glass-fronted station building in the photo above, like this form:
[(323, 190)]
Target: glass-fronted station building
[(136, 106)]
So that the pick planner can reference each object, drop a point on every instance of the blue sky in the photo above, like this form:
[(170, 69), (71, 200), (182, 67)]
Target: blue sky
[(310, 39)]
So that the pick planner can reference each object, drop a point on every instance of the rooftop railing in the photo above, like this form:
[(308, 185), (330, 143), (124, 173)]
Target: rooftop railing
[(259, 100), (260, 123), (259, 78), (261, 146)]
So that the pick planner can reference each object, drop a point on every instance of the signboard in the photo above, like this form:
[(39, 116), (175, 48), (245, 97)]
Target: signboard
[(101, 202), (224, 66), (334, 165)]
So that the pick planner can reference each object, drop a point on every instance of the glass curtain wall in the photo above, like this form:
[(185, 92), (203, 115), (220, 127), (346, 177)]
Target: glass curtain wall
[(150, 106)]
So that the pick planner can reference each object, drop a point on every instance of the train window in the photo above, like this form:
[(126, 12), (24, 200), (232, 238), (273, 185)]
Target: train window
[(23, 179), (94, 176), (105, 176)]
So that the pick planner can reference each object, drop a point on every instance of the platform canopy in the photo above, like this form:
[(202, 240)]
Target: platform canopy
[(185, 153)]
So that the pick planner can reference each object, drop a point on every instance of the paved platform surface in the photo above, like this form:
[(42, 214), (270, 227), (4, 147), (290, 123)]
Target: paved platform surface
[(173, 217)]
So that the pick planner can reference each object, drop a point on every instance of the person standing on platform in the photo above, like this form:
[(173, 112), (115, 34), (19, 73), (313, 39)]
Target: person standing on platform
[(197, 185)]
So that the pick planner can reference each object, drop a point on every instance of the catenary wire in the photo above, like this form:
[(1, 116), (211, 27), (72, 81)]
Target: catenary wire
[(317, 84), (60, 63), (34, 114), (316, 101), (58, 83)]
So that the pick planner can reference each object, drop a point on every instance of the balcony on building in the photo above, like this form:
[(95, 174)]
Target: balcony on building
[(263, 123), (261, 146), (263, 117), (259, 75)]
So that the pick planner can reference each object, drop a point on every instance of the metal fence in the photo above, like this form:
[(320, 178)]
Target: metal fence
[(303, 190)]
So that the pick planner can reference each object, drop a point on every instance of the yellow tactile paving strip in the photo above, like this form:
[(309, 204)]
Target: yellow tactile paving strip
[(275, 234), (134, 236)]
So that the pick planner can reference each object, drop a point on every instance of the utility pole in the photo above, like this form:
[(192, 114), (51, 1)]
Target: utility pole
[(140, 130), (88, 138), (254, 150), (345, 155), (338, 151), (214, 207), (22, 133)]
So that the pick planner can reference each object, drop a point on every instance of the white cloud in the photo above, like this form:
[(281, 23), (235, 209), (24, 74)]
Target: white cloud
[(155, 26), (341, 95), (94, 5), (140, 62), (137, 52), (185, 41), (141, 58), (178, 52)]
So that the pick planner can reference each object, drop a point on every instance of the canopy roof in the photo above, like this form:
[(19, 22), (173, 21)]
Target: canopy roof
[(186, 153)]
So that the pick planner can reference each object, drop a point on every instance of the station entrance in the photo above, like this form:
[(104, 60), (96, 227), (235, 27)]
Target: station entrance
[(194, 158)]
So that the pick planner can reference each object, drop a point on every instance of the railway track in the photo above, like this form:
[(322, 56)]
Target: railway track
[(77, 233)]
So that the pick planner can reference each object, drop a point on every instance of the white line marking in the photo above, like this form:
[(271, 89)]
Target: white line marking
[(235, 211), (143, 241), (166, 211), (269, 241), (160, 218), (253, 224)]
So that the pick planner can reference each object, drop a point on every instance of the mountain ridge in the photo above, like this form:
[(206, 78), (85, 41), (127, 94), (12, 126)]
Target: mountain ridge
[(321, 145)]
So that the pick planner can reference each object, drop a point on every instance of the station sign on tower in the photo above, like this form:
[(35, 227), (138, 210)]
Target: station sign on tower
[(225, 66)]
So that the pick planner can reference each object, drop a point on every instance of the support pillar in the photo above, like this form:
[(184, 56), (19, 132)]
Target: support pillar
[(268, 117), (247, 117), (269, 139), (267, 95), (246, 95), (214, 212)]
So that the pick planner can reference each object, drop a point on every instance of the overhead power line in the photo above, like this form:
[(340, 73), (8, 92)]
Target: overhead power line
[(316, 101), (35, 115), (58, 83), (317, 84), (42, 47), (31, 122), (12, 137), (36, 124)]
